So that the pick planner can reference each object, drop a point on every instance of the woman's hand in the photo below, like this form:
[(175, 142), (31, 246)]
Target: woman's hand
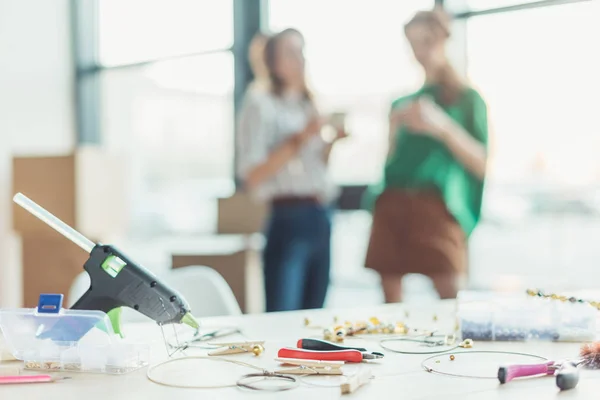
[(340, 134), (425, 117), (312, 128)]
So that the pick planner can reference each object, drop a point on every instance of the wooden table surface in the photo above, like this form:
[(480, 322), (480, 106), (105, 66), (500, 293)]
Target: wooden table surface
[(396, 376)]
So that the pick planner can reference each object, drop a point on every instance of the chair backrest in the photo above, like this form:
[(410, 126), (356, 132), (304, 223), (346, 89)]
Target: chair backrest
[(207, 292), (205, 289)]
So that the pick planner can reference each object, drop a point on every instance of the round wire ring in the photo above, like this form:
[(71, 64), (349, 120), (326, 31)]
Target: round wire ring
[(383, 346), (152, 369), (293, 383), (512, 353)]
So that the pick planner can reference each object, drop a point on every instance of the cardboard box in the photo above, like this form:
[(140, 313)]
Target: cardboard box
[(50, 182), (86, 190), (50, 265), (241, 214)]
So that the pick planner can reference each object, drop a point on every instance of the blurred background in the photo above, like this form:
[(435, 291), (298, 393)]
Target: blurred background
[(119, 116)]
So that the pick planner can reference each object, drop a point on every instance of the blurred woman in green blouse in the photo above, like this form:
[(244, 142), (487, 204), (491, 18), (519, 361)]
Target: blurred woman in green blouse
[(430, 199)]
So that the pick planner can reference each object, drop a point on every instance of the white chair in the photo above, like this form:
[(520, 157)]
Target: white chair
[(206, 291)]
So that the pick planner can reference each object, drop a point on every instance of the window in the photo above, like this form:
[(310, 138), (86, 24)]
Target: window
[(541, 85), (358, 61), (540, 79), (138, 30), (167, 105)]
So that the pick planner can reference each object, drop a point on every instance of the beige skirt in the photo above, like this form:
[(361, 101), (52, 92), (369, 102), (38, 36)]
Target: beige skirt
[(413, 232)]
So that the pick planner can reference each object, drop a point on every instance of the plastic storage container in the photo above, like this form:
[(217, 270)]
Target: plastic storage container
[(51, 338), (492, 316)]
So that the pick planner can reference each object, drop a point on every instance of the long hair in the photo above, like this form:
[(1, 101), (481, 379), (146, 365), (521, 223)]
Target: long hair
[(451, 83), (256, 55), (271, 49)]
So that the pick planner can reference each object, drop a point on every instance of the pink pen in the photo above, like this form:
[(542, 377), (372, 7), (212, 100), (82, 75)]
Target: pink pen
[(25, 379), (509, 372)]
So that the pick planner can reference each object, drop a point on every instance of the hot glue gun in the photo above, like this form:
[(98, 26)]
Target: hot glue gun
[(116, 281)]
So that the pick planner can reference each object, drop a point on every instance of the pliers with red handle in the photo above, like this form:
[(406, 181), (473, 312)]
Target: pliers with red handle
[(314, 349)]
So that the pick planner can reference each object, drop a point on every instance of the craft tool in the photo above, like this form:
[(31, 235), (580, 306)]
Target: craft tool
[(256, 348), (566, 372), (18, 379), (356, 381), (337, 355), (116, 280), (307, 367), (322, 345)]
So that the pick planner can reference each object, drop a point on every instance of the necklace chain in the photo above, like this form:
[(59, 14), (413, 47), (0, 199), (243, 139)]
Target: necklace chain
[(564, 299)]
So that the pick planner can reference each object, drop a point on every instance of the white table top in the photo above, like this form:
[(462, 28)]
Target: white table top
[(396, 376)]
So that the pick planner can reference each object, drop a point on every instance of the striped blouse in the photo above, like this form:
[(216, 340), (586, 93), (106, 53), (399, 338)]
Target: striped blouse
[(265, 122)]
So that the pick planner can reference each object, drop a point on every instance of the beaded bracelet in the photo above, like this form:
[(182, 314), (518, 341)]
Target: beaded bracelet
[(554, 296)]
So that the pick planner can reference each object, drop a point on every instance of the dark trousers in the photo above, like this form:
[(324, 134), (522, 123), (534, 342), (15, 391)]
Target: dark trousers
[(297, 256)]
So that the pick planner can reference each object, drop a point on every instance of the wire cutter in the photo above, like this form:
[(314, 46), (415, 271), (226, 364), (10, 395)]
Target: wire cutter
[(314, 349)]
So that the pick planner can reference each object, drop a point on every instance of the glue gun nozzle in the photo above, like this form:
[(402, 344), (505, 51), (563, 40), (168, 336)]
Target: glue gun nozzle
[(189, 320)]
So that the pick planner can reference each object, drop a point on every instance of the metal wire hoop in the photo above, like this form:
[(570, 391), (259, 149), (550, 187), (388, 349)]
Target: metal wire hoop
[(293, 382), (512, 353), (423, 341)]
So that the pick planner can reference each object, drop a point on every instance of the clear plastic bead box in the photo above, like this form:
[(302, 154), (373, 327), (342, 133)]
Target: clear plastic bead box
[(69, 340), (489, 316)]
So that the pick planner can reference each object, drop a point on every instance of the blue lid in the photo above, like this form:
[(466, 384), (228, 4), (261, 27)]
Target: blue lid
[(50, 303)]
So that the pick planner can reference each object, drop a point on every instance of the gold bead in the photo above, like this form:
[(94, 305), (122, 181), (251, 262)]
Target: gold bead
[(435, 317), (531, 292), (437, 361), (593, 304), (554, 296), (467, 344), (257, 349), (562, 298), (374, 320), (306, 322), (348, 324), (452, 357), (386, 330)]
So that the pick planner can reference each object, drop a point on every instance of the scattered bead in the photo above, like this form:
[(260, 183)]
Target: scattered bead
[(452, 357), (257, 349), (306, 322), (437, 361), (435, 318)]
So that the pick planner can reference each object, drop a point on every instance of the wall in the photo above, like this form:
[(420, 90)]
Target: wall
[(36, 105)]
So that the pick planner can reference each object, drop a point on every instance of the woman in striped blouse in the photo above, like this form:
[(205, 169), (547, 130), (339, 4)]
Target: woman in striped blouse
[(282, 159)]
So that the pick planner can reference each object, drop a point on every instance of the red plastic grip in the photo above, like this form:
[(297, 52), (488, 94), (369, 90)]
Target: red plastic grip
[(342, 355)]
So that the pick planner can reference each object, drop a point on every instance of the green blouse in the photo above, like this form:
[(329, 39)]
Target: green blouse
[(420, 161)]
